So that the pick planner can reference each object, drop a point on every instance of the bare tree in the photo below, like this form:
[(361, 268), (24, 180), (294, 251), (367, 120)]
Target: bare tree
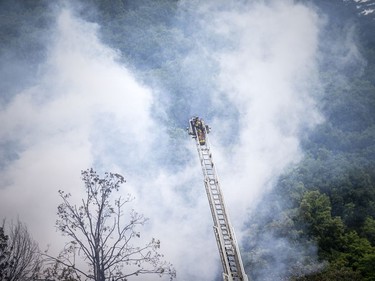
[(102, 237), (4, 254), (22, 260)]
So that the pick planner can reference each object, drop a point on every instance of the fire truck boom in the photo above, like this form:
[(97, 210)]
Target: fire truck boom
[(233, 269)]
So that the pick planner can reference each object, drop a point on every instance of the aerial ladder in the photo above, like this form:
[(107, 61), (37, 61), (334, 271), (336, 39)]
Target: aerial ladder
[(233, 269)]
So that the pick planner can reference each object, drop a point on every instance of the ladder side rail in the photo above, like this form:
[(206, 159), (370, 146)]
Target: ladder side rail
[(218, 222), (238, 256), (231, 229), (219, 240), (229, 233), (217, 230), (224, 232), (223, 246), (222, 203), (220, 219)]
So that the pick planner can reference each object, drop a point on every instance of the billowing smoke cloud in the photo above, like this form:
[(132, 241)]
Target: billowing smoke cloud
[(269, 77), (87, 110), (83, 101)]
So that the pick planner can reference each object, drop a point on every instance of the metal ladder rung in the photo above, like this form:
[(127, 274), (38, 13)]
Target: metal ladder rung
[(233, 268), (224, 228)]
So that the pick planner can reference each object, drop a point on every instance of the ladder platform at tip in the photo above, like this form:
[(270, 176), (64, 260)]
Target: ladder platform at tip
[(233, 269)]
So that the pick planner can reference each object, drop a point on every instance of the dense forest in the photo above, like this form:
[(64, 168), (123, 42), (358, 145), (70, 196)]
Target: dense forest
[(328, 199), (324, 205)]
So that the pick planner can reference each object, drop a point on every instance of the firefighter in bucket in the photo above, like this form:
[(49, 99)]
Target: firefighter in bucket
[(199, 126)]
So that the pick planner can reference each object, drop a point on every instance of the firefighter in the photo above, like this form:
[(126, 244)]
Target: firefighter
[(200, 131)]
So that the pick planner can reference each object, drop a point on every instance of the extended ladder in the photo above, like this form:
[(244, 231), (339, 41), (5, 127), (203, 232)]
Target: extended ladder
[(233, 269)]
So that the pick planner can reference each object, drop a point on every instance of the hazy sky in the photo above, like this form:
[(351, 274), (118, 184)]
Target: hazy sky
[(88, 110)]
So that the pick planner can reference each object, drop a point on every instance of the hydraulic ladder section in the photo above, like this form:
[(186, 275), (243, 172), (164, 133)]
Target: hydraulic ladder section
[(233, 269)]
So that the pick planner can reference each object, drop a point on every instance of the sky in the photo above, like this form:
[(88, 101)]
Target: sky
[(88, 109)]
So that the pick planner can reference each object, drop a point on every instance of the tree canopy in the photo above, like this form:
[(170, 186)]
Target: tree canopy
[(103, 236)]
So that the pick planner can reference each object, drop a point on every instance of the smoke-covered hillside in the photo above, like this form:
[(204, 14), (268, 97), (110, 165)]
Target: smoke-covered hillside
[(328, 198), (288, 88), (365, 7)]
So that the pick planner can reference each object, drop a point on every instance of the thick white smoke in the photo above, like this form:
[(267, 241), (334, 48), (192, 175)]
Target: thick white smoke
[(270, 77), (84, 98), (87, 109)]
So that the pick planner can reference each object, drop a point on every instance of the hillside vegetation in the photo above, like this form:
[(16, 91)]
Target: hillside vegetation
[(324, 207), (326, 203)]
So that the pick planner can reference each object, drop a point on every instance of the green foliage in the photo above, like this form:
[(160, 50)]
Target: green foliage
[(329, 198), (330, 195), (354, 248), (367, 266), (332, 273), (315, 211), (368, 229)]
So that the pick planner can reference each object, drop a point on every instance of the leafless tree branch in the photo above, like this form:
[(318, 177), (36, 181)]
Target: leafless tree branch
[(102, 238)]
